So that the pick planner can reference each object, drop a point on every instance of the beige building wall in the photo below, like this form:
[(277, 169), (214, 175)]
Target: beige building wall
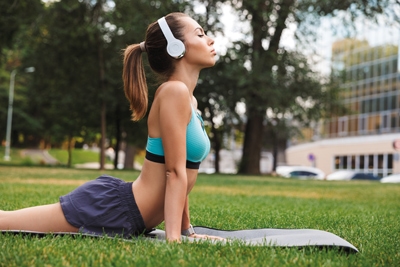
[(324, 151)]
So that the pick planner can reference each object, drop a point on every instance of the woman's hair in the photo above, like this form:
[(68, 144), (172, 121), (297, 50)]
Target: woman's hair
[(133, 74)]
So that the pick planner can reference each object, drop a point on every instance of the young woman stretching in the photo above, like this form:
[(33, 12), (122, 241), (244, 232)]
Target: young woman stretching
[(177, 50)]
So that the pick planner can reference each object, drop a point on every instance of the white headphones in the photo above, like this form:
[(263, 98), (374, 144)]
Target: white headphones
[(175, 47)]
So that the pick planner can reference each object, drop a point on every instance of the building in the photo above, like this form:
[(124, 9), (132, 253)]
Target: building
[(364, 138)]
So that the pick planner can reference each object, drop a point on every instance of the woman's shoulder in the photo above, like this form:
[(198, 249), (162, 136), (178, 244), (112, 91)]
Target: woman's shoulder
[(173, 91), (173, 86)]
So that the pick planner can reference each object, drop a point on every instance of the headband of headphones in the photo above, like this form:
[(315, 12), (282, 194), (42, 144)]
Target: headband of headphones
[(175, 47)]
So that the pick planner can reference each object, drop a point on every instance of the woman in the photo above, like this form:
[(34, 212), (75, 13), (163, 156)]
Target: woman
[(177, 143)]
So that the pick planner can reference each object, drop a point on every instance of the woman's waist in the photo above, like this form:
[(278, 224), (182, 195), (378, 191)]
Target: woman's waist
[(154, 174), (160, 158)]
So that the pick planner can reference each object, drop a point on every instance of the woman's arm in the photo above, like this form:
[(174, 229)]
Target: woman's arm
[(186, 224), (186, 216), (174, 114)]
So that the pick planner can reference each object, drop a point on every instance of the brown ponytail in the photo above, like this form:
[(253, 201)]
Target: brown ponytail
[(134, 78), (160, 62)]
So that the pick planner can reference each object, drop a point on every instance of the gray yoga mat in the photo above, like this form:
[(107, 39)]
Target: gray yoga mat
[(282, 237), (251, 237)]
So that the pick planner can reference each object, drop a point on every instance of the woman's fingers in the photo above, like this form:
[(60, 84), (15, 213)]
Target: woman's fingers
[(207, 237)]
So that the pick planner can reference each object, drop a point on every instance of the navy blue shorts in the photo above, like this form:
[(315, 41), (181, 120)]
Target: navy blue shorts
[(105, 206)]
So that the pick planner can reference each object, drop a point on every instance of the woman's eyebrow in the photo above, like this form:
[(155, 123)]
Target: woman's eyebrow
[(199, 28)]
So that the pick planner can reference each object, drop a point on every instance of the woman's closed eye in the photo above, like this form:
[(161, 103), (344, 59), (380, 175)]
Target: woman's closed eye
[(200, 32)]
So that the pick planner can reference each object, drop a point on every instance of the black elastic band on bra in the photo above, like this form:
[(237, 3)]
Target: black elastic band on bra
[(161, 159), (155, 158)]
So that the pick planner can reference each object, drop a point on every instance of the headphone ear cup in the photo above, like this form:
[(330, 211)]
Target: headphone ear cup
[(176, 48)]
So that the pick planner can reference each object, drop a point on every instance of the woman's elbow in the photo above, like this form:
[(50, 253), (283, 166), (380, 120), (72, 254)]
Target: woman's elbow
[(175, 175)]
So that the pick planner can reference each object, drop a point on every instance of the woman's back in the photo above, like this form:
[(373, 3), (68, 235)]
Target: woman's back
[(149, 188)]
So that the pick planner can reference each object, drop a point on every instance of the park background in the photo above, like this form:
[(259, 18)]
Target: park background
[(275, 81), (272, 83)]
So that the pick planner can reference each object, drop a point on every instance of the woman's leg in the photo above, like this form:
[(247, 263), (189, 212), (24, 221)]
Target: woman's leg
[(46, 218)]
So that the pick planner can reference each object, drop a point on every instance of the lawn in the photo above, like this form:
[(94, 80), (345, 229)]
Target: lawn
[(79, 156), (364, 213)]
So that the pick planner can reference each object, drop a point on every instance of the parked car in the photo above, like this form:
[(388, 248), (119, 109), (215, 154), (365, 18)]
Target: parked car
[(301, 172), (394, 178), (347, 175)]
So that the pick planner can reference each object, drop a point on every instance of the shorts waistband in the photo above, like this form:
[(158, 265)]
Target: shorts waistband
[(133, 214)]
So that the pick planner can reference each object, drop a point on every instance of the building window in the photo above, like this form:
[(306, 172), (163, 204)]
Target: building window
[(378, 164), (380, 161), (390, 161), (370, 162), (337, 163), (343, 162), (343, 126), (393, 120), (385, 121), (362, 123), (353, 162), (387, 103), (361, 165)]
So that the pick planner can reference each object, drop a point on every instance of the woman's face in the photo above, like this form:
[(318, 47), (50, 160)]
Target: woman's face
[(199, 47)]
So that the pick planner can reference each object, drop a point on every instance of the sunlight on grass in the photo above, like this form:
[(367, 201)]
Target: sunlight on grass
[(78, 156), (257, 191)]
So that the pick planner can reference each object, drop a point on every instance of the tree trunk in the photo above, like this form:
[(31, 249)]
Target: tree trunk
[(262, 62), (250, 163), (217, 147), (103, 135), (274, 151), (97, 14), (69, 149), (118, 136), (129, 157), (103, 104)]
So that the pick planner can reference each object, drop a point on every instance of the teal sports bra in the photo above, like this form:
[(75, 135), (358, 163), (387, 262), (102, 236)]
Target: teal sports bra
[(197, 144)]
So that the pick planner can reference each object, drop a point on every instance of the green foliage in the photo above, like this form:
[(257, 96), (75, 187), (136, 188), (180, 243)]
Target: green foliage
[(131, 19), (68, 59), (15, 15), (364, 213), (75, 47)]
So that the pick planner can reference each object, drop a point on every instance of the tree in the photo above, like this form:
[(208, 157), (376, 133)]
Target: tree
[(76, 47), (129, 20), (66, 78), (15, 15), (215, 90), (269, 61), (217, 100), (16, 18)]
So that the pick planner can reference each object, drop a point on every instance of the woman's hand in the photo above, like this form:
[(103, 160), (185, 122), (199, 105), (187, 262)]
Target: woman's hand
[(209, 237)]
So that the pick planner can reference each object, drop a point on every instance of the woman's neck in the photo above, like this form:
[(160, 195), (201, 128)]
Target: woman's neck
[(187, 76)]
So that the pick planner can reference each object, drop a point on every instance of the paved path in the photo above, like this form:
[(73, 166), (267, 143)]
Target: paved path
[(40, 155)]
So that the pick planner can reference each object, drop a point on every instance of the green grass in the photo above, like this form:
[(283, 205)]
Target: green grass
[(364, 213), (16, 158), (79, 156)]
